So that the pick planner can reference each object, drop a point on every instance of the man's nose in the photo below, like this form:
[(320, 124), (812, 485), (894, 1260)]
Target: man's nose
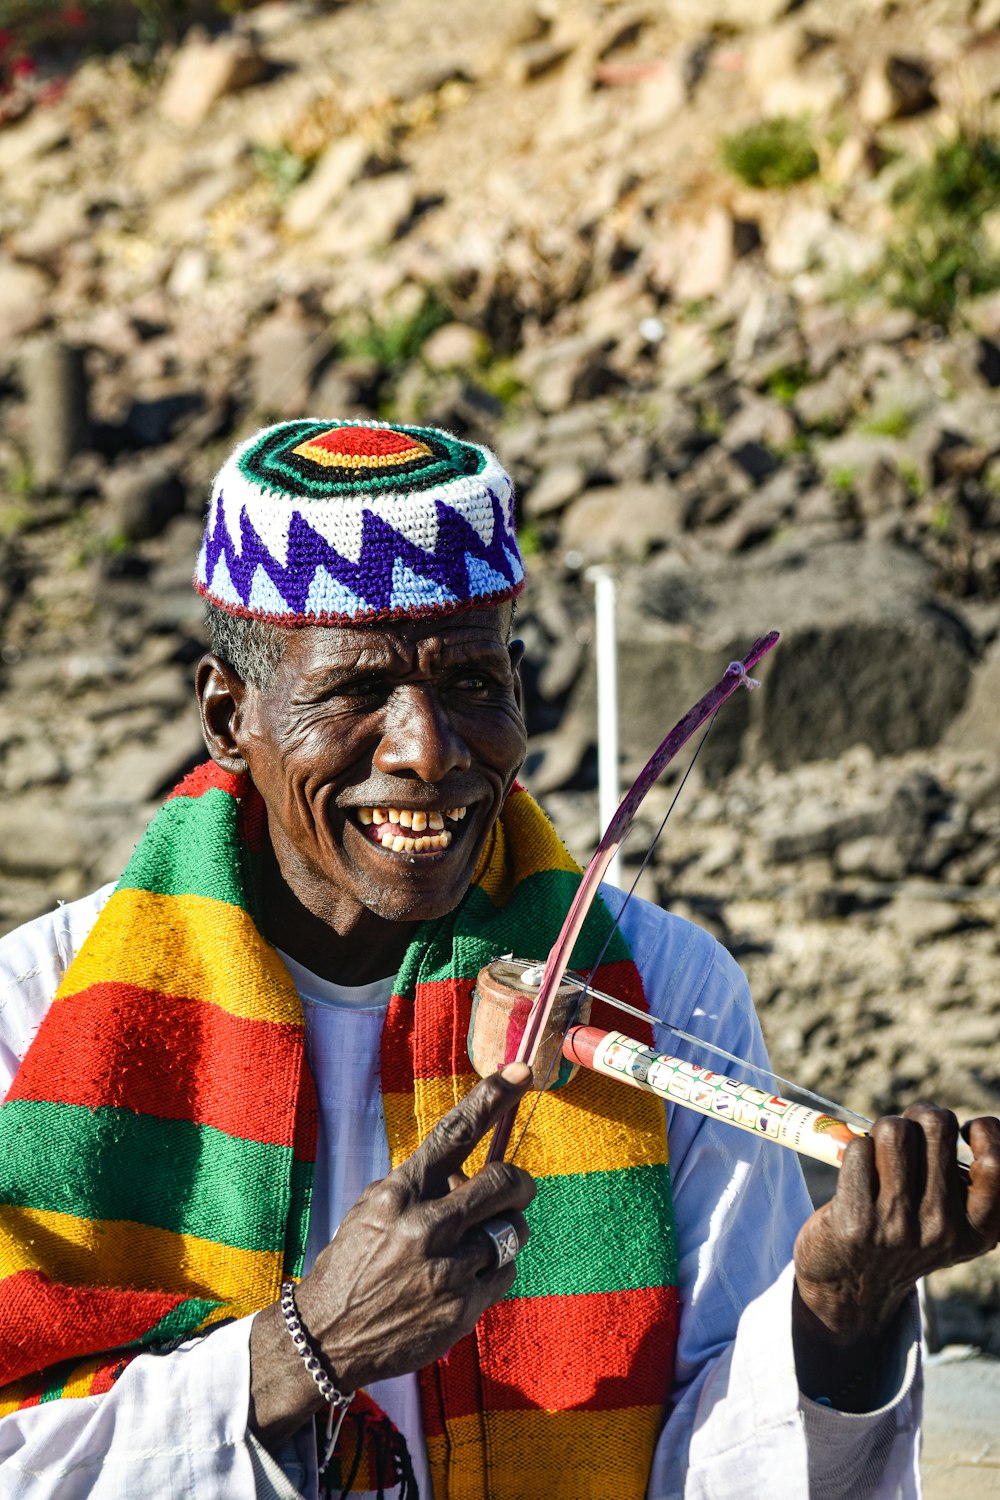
[(419, 739)]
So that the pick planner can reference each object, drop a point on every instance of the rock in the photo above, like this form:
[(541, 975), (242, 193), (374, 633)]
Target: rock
[(775, 53), (769, 315), (35, 137), (342, 163), (55, 382), (631, 461), (756, 461), (284, 352), (741, 14), (712, 488), (759, 517), (59, 222), (455, 346), (707, 254), (144, 497), (563, 372), (556, 486), (688, 354), (24, 296), (987, 19), (535, 59), (975, 728), (182, 215), (920, 919), (38, 838), (971, 417), (139, 770), (554, 760), (893, 87), (898, 400), (846, 458), (370, 215), (807, 832), (189, 272), (872, 856), (797, 241), (760, 420), (150, 423), (203, 71), (341, 387), (814, 91), (630, 520), (972, 80), (827, 404), (662, 92), (844, 609), (881, 490)]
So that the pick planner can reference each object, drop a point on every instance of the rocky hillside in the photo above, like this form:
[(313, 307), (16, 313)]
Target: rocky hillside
[(719, 279)]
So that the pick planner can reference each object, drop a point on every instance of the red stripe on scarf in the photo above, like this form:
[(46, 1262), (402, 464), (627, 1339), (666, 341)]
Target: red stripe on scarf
[(42, 1322), (535, 1346), (165, 1040), (524, 1336)]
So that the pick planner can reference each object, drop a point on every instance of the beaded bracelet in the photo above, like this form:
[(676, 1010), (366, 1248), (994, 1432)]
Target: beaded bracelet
[(337, 1401)]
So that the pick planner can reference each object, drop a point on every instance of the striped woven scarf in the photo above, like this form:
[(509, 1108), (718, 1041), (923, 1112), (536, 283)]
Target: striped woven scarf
[(156, 1154)]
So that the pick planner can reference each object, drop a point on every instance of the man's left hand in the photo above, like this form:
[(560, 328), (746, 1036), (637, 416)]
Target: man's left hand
[(902, 1208)]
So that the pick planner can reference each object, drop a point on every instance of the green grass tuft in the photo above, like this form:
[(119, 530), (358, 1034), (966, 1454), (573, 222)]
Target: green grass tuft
[(398, 340), (844, 479), (281, 167), (784, 384), (940, 254), (771, 154), (895, 422)]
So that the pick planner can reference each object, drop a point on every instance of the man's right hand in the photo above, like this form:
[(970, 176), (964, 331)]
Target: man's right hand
[(409, 1273)]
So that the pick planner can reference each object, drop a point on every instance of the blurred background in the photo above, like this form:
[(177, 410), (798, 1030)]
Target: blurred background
[(718, 279)]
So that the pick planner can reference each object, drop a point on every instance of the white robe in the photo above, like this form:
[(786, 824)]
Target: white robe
[(174, 1427)]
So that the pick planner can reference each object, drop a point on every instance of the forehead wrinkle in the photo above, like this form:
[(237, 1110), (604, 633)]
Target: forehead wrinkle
[(389, 652)]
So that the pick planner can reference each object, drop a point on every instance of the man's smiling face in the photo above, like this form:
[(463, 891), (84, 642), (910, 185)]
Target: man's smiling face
[(383, 753)]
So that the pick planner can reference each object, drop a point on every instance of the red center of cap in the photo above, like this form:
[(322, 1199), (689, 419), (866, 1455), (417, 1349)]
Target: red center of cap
[(361, 441)]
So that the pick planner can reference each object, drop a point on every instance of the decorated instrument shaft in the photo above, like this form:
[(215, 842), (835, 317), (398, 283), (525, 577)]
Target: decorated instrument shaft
[(807, 1131)]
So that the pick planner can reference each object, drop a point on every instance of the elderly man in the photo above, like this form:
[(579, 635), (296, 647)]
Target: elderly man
[(241, 1133)]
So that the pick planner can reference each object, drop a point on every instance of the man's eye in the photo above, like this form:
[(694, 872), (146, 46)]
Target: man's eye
[(362, 687)]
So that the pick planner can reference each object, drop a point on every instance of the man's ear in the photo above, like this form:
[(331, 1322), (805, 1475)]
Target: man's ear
[(515, 650), (221, 692)]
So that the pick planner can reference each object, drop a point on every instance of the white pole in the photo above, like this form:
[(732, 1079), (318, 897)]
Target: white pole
[(606, 635)]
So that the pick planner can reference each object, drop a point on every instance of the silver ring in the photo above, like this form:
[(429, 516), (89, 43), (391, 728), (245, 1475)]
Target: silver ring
[(503, 1237)]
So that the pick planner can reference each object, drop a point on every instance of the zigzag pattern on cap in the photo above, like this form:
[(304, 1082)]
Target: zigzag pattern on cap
[(315, 522)]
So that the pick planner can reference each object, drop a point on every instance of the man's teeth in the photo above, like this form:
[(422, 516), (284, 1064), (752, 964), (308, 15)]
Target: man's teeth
[(390, 821), (405, 817), (398, 841)]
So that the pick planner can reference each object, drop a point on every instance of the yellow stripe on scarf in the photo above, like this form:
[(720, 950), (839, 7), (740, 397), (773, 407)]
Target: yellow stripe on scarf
[(557, 1143), (551, 1449), (193, 947), (135, 1255)]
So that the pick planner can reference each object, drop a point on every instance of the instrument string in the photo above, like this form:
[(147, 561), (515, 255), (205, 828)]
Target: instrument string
[(648, 856), (589, 978)]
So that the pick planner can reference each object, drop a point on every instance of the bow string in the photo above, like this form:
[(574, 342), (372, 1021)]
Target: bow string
[(735, 676)]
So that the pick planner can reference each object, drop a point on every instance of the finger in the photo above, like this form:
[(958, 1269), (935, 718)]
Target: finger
[(852, 1207), (942, 1212), (456, 1135), (982, 1206), (901, 1168), (455, 1180), (499, 1190), (487, 1287), (477, 1253)]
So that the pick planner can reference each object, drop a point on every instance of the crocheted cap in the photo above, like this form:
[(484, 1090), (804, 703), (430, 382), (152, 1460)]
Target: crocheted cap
[(335, 523)]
